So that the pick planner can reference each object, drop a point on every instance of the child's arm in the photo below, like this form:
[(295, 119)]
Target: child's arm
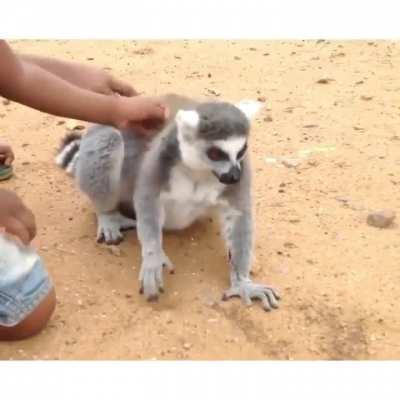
[(35, 87), (82, 75)]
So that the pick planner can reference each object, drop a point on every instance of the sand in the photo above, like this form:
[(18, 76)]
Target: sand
[(325, 152)]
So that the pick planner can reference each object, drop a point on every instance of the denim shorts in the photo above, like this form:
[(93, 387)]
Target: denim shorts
[(24, 283)]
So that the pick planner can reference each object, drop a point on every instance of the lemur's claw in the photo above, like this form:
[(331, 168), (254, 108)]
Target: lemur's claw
[(151, 275), (249, 291)]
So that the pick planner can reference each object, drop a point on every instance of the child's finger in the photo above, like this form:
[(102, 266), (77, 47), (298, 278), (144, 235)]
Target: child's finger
[(142, 131), (122, 88), (6, 155), (150, 124), (9, 160)]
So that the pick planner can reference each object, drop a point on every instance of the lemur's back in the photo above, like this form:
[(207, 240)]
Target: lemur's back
[(99, 139)]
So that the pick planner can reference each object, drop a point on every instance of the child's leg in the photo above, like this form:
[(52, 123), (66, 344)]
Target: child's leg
[(34, 322), (27, 296)]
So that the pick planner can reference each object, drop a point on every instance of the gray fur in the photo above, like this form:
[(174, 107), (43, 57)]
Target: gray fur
[(219, 121), (238, 225), (153, 179)]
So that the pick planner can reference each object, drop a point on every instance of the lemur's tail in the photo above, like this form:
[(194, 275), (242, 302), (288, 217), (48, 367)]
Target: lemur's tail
[(68, 153)]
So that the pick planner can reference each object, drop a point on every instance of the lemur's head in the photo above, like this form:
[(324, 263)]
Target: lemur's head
[(213, 137)]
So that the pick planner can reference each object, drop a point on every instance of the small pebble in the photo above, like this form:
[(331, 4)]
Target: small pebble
[(187, 346), (270, 160), (342, 199), (115, 250), (324, 81), (213, 92), (381, 218), (290, 162), (313, 163), (366, 98)]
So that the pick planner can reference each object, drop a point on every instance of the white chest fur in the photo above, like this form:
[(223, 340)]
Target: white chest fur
[(189, 197)]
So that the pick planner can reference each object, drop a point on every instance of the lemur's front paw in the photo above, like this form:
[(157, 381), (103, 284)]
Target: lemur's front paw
[(249, 291), (151, 275)]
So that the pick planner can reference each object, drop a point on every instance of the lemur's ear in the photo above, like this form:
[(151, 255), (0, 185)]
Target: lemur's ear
[(187, 122), (250, 108)]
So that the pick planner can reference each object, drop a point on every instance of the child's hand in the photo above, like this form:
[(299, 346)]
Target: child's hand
[(100, 81), (145, 114), (16, 218), (6, 154)]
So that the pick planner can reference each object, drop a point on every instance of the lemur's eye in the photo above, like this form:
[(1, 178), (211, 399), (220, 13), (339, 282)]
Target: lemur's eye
[(216, 154), (241, 152)]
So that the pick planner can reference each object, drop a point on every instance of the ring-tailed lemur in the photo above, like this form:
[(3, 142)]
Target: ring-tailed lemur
[(196, 163)]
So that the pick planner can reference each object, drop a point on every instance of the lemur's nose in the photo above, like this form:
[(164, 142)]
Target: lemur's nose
[(232, 176)]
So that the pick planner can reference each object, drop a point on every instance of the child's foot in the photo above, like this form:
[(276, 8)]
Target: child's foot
[(6, 172)]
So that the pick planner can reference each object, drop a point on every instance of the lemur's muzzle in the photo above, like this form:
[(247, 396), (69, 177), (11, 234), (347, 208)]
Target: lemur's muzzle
[(232, 176)]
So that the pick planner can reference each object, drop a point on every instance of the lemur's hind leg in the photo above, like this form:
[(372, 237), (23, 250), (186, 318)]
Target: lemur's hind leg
[(98, 176), (111, 225)]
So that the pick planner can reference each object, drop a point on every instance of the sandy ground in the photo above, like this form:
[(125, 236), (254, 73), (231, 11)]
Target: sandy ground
[(338, 276)]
